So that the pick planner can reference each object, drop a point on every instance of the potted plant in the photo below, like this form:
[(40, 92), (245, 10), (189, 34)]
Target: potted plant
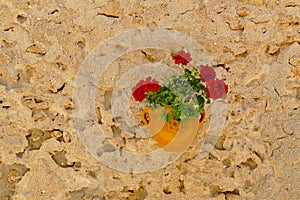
[(175, 110)]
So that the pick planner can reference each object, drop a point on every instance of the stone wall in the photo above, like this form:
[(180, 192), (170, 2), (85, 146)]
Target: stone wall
[(255, 46)]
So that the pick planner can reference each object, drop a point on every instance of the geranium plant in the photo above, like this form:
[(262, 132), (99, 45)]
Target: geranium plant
[(185, 94)]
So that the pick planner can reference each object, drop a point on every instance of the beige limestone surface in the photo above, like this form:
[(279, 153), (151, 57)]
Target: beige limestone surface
[(254, 45)]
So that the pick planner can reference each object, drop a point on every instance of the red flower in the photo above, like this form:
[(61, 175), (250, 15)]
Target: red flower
[(143, 86), (216, 89), (182, 57), (207, 73)]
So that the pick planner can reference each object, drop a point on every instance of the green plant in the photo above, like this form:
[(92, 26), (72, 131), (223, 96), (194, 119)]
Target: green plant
[(185, 94)]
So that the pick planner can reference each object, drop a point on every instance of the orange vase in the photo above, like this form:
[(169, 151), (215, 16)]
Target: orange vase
[(172, 136)]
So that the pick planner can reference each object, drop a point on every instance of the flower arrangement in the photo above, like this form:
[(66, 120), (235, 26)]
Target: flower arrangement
[(184, 95)]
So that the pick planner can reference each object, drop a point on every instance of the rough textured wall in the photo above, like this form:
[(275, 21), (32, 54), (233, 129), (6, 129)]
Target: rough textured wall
[(255, 45)]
